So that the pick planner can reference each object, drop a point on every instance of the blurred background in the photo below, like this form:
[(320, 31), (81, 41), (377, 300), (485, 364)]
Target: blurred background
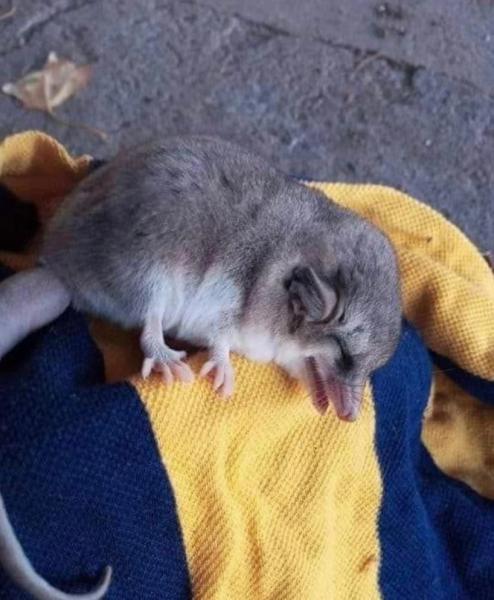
[(400, 93)]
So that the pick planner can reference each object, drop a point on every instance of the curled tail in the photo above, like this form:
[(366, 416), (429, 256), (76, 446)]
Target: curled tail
[(29, 300), (17, 566)]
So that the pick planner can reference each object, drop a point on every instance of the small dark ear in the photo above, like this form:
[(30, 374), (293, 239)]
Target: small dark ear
[(311, 298)]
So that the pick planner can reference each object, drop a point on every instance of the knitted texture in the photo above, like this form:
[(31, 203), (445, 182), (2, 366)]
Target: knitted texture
[(274, 501), (80, 472), (448, 294)]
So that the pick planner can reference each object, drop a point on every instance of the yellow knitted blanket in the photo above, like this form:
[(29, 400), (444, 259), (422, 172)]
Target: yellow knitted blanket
[(273, 500)]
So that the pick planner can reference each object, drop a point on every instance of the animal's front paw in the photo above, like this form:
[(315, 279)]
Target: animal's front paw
[(172, 367), (223, 376)]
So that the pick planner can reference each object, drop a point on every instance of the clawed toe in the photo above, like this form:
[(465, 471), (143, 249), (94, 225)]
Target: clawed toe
[(147, 367), (223, 379), (171, 370), (182, 371)]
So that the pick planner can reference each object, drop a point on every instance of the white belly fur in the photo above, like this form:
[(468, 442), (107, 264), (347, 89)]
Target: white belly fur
[(194, 309), (261, 346)]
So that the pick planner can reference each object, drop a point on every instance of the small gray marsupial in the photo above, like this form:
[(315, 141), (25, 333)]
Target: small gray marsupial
[(200, 240)]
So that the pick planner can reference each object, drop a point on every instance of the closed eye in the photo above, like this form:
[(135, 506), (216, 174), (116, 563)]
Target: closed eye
[(345, 362)]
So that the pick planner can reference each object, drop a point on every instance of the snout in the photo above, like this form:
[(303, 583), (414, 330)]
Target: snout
[(325, 387)]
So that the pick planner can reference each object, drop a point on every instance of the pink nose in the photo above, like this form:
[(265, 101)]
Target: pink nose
[(348, 417)]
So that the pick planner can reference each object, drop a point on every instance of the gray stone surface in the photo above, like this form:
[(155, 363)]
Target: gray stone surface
[(400, 94), (455, 37)]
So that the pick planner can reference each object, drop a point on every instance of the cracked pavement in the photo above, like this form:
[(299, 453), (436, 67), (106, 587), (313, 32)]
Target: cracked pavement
[(397, 93)]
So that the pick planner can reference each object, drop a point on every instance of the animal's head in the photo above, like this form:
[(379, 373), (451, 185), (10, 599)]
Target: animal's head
[(344, 317)]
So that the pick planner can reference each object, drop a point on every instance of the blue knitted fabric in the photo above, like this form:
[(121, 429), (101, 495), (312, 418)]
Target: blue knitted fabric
[(436, 534), (80, 473), (85, 486)]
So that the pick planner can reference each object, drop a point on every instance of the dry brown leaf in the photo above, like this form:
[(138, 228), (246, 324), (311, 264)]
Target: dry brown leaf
[(8, 13), (55, 83)]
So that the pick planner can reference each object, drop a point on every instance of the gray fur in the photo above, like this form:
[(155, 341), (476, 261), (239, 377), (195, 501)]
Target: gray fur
[(204, 236), (199, 239)]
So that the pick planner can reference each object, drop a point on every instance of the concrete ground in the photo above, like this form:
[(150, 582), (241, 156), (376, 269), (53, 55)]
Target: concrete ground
[(400, 93)]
